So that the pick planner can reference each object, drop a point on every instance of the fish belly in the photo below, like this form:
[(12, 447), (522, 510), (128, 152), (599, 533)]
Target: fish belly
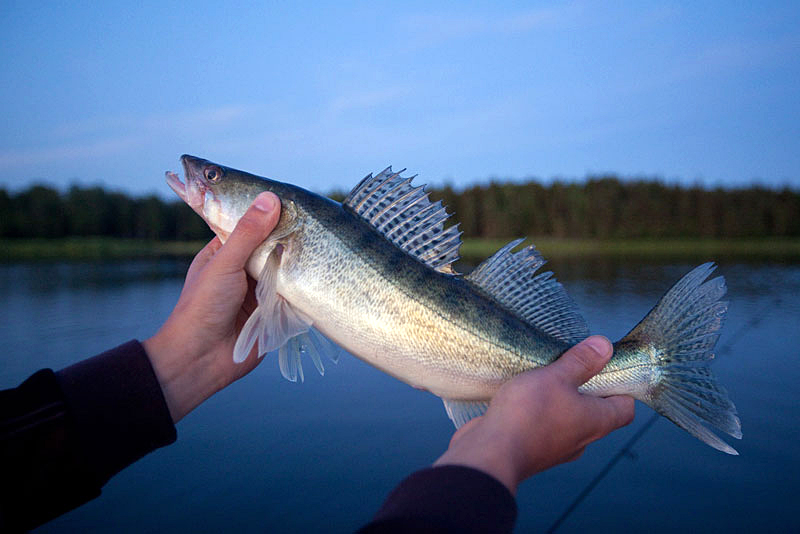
[(380, 322)]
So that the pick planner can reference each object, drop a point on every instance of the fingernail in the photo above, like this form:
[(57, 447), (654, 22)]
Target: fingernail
[(265, 201), (600, 345)]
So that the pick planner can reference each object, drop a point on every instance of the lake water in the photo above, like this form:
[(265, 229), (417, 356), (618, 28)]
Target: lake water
[(270, 455)]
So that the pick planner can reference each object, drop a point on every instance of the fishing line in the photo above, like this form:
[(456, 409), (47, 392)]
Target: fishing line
[(625, 451)]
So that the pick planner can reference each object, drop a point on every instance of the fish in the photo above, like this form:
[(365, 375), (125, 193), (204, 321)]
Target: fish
[(374, 276)]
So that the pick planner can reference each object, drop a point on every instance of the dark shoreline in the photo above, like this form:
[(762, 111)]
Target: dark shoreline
[(102, 248)]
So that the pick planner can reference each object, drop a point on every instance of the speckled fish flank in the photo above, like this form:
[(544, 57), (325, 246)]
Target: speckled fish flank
[(374, 276)]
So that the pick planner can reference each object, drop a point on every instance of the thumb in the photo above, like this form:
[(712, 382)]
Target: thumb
[(252, 229), (584, 360)]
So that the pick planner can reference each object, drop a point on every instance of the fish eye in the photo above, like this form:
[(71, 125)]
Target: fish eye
[(213, 174)]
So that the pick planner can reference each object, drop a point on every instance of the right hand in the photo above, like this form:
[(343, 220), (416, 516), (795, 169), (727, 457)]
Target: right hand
[(539, 419)]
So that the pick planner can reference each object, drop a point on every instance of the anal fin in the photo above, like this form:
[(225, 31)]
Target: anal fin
[(462, 411)]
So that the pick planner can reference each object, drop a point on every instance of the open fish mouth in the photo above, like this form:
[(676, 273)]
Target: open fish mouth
[(193, 190), (175, 183)]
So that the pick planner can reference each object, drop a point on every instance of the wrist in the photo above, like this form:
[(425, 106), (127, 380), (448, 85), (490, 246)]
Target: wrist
[(183, 377), (493, 456)]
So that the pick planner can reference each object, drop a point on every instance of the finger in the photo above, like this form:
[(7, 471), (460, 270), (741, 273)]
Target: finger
[(622, 410), (251, 230), (584, 360), (609, 414), (465, 428), (575, 456), (203, 257)]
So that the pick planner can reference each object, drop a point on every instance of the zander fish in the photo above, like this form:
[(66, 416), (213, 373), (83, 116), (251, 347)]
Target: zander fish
[(374, 275)]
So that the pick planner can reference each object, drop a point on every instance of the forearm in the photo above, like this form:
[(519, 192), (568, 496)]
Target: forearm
[(118, 407), (447, 499), (63, 435)]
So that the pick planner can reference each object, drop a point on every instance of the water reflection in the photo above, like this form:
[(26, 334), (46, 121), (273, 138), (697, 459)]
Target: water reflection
[(49, 277), (268, 454)]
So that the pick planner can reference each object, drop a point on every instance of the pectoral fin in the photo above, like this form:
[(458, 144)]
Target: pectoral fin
[(275, 324), (274, 321)]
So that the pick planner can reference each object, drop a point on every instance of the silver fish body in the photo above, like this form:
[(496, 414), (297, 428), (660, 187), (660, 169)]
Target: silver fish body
[(342, 270), (429, 329)]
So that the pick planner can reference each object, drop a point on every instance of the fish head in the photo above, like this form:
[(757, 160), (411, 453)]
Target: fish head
[(221, 195)]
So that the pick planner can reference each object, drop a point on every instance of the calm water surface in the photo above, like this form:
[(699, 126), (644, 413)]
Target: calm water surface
[(267, 454)]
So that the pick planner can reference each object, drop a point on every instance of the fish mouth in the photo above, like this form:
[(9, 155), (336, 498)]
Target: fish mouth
[(194, 189), (175, 183)]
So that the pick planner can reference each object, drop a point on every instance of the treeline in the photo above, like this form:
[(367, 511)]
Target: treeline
[(43, 212), (608, 208), (601, 208)]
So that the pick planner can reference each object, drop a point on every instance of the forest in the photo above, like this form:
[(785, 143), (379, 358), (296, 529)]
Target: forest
[(598, 207)]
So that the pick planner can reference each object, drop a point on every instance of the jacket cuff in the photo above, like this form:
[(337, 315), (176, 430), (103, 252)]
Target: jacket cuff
[(448, 498), (117, 407)]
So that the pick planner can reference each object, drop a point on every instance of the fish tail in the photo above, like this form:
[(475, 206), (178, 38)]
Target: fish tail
[(677, 336)]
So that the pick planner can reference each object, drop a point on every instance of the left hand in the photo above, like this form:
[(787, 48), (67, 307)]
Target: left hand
[(192, 353)]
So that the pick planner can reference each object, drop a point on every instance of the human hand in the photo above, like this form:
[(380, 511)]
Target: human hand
[(192, 353), (539, 419)]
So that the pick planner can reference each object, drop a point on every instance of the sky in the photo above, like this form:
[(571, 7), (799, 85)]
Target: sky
[(320, 94)]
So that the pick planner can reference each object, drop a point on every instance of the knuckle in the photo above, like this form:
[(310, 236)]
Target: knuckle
[(577, 454), (584, 358), (628, 412), (618, 413)]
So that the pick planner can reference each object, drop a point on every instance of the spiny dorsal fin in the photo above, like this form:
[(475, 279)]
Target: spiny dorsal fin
[(406, 216), (539, 300)]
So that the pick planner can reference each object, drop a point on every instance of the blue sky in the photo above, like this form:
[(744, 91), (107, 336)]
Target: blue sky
[(320, 94)]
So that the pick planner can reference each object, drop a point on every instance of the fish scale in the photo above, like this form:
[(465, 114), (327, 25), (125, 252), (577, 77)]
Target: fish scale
[(418, 336), (374, 276)]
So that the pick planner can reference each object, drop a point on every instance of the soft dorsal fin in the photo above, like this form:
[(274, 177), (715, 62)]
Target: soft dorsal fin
[(539, 300), (406, 216)]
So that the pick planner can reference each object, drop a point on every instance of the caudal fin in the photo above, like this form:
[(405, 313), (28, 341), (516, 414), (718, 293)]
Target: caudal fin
[(680, 332)]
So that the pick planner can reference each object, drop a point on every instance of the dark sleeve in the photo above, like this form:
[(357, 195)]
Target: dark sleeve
[(450, 498), (64, 434)]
